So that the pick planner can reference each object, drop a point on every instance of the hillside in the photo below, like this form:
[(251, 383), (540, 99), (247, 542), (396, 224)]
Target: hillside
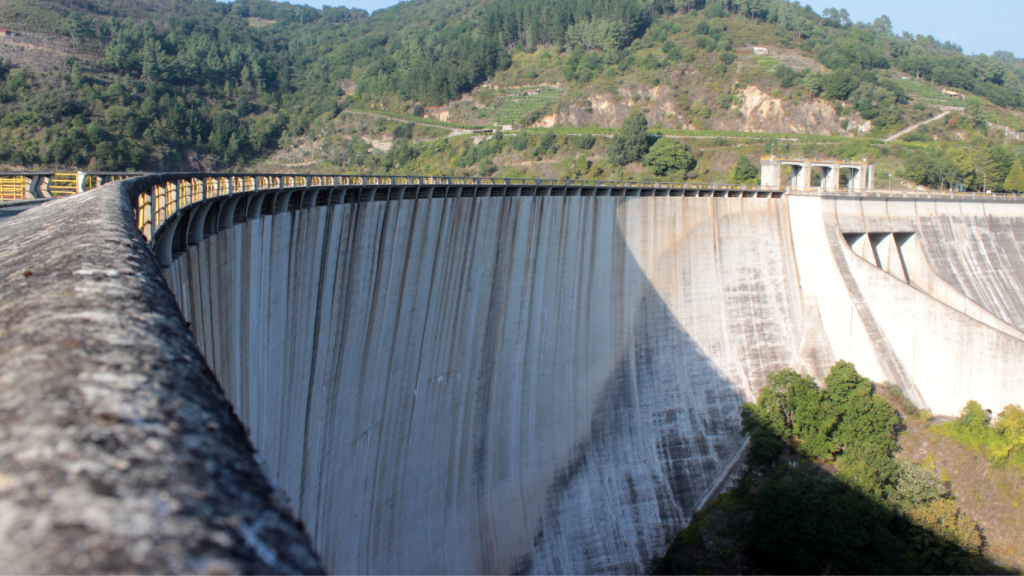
[(199, 84)]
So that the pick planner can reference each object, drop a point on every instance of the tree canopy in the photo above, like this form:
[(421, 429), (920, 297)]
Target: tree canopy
[(630, 143), (1015, 179), (875, 510), (669, 155), (745, 172)]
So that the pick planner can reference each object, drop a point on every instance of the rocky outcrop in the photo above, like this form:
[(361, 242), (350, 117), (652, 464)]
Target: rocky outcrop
[(757, 111)]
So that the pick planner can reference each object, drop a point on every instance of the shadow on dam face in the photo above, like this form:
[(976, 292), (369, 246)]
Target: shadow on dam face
[(486, 385)]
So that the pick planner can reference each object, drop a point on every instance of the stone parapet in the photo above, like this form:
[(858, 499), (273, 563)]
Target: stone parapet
[(119, 452)]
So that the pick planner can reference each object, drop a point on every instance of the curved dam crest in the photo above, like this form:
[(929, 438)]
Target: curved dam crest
[(495, 382), (450, 376)]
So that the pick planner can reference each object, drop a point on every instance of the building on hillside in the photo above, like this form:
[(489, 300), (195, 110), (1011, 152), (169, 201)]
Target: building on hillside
[(532, 92), (953, 94), (760, 51), (6, 32)]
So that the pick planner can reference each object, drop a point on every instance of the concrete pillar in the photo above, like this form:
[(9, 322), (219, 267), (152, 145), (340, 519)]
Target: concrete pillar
[(35, 188), (801, 175), (771, 172), (830, 180), (870, 183)]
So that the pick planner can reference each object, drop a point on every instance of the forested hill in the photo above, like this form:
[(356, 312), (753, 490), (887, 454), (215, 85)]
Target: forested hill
[(146, 84)]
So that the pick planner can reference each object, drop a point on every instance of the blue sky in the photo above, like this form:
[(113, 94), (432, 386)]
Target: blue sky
[(980, 26)]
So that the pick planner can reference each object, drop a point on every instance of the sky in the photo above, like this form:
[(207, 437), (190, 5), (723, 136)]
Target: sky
[(980, 26)]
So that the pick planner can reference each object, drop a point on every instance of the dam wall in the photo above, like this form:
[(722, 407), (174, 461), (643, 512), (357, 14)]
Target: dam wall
[(490, 385), (448, 374)]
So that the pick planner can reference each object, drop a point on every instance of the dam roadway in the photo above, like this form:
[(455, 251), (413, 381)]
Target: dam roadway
[(546, 378)]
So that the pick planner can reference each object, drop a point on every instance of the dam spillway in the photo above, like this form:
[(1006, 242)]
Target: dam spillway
[(551, 383)]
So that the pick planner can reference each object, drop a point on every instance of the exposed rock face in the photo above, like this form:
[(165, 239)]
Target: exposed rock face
[(609, 110), (757, 112), (36, 52), (762, 113)]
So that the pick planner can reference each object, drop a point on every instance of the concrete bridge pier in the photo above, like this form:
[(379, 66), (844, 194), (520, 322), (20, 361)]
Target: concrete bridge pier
[(800, 177), (830, 177), (861, 174)]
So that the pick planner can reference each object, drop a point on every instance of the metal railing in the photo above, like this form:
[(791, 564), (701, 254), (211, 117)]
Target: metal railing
[(33, 185), (12, 188), (176, 193), (882, 192), (175, 210), (63, 184), (164, 200), (803, 160), (172, 195)]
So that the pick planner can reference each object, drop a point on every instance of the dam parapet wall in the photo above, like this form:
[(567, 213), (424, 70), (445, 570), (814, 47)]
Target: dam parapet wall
[(119, 453)]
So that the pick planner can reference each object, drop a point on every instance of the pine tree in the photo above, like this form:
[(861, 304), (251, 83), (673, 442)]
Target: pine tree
[(630, 143), (1015, 180)]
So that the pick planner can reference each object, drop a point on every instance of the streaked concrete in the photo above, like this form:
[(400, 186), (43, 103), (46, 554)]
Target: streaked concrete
[(497, 385), (551, 384), (936, 284)]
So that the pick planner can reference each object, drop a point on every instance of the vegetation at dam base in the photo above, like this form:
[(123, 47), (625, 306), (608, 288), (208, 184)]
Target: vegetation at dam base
[(824, 492), (1000, 442)]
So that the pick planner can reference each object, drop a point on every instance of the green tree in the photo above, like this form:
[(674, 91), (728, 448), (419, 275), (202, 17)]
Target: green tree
[(1010, 427), (630, 143), (867, 423), (744, 172), (973, 110), (1015, 180), (973, 418), (916, 486), (944, 519), (844, 536), (403, 131), (669, 155)]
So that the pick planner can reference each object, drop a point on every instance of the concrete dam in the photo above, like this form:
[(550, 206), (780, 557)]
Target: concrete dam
[(534, 377)]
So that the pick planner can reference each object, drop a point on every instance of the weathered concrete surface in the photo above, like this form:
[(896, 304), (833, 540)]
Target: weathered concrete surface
[(490, 385), (462, 385), (938, 312), (118, 452)]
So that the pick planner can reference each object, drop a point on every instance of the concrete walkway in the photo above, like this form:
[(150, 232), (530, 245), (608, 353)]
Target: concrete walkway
[(8, 209)]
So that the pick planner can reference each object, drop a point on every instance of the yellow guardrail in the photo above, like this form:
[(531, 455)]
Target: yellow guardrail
[(163, 200), (64, 183), (12, 187), (42, 184), (159, 203), (91, 181)]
